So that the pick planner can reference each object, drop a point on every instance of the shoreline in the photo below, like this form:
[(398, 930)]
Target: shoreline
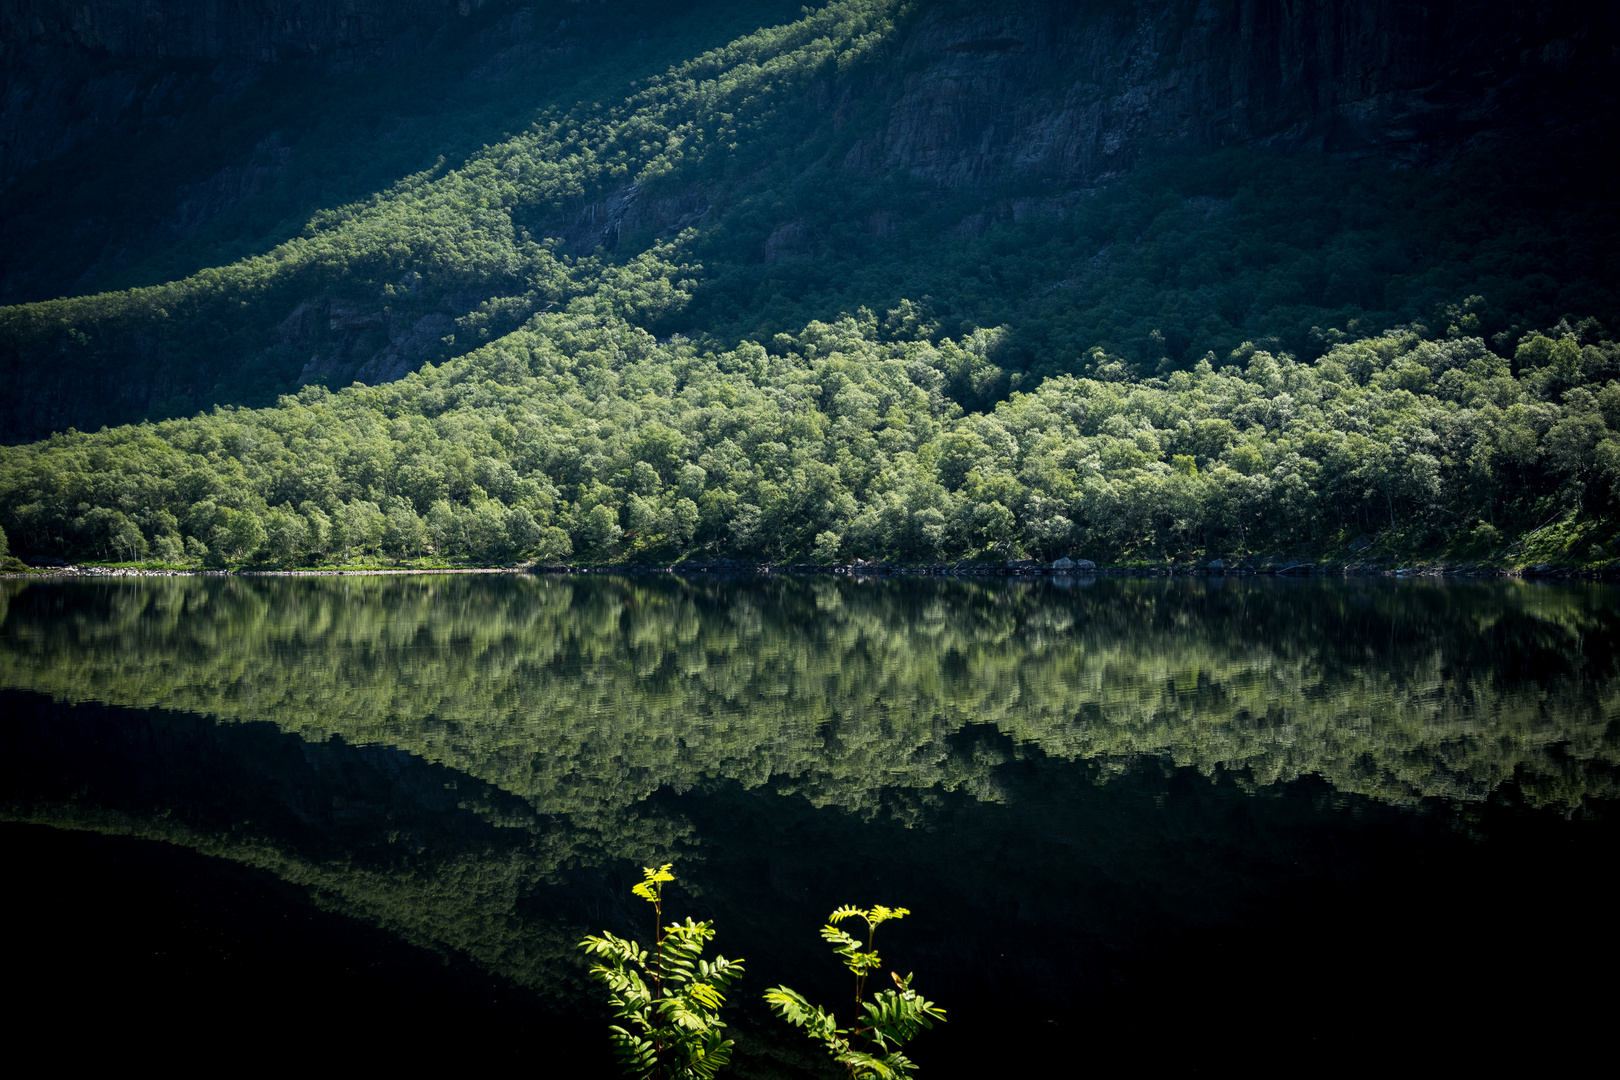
[(55, 572), (1017, 570)]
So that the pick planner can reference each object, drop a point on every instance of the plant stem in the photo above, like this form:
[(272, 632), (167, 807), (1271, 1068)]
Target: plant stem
[(658, 976), (860, 982)]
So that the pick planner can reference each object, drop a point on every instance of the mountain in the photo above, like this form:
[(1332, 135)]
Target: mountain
[(139, 146), (1008, 194)]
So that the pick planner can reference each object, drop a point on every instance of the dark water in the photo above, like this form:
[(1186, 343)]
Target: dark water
[(1140, 824)]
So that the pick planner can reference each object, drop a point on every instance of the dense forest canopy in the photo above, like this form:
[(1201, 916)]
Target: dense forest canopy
[(668, 319), (583, 435)]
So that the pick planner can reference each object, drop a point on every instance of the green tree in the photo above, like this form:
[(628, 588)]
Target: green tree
[(318, 528), (169, 549), (237, 534), (286, 532), (445, 531), (681, 522), (485, 529), (522, 531), (827, 545), (404, 533), (601, 530), (363, 525), (554, 544)]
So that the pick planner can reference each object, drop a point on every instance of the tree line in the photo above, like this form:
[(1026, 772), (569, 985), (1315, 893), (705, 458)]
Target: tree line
[(582, 436)]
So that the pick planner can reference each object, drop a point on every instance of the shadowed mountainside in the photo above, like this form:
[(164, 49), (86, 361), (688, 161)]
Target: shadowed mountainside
[(984, 215), (71, 72)]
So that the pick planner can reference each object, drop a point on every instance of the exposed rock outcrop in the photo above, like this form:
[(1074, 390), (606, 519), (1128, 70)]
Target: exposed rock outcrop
[(1072, 93), (626, 212), (360, 341)]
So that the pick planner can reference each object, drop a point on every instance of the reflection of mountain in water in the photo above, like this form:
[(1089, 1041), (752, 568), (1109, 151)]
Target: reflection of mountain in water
[(476, 766), (370, 831), (1070, 898), (587, 695)]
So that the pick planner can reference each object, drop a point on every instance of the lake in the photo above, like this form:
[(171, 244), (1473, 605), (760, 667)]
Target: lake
[(1139, 823)]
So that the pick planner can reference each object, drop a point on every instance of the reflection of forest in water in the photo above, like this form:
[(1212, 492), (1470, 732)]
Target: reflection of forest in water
[(1057, 779), (586, 694)]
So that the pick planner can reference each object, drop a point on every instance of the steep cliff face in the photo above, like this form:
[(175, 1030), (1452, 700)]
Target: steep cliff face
[(70, 69), (1030, 87), (1070, 93)]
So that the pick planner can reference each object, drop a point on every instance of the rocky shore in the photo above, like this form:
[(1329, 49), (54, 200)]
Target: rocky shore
[(1011, 568), (1085, 568), (71, 571)]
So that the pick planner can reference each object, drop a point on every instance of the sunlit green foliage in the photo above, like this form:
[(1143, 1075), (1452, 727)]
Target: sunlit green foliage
[(883, 1024), (670, 997), (583, 436), (481, 229)]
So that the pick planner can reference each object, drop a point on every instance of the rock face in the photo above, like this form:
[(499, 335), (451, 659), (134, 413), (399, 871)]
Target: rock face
[(1073, 93), (625, 212), (1020, 88), (72, 68), (361, 342)]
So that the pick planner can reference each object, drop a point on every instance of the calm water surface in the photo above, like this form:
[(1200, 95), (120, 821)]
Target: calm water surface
[(1140, 822)]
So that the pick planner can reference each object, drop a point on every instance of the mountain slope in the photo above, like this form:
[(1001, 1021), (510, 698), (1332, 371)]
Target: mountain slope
[(866, 129), (638, 290), (161, 147)]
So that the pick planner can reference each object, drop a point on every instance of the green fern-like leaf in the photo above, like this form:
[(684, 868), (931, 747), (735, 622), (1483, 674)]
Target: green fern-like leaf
[(890, 1066), (672, 1029), (890, 1019), (897, 1016), (634, 1053), (651, 888)]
